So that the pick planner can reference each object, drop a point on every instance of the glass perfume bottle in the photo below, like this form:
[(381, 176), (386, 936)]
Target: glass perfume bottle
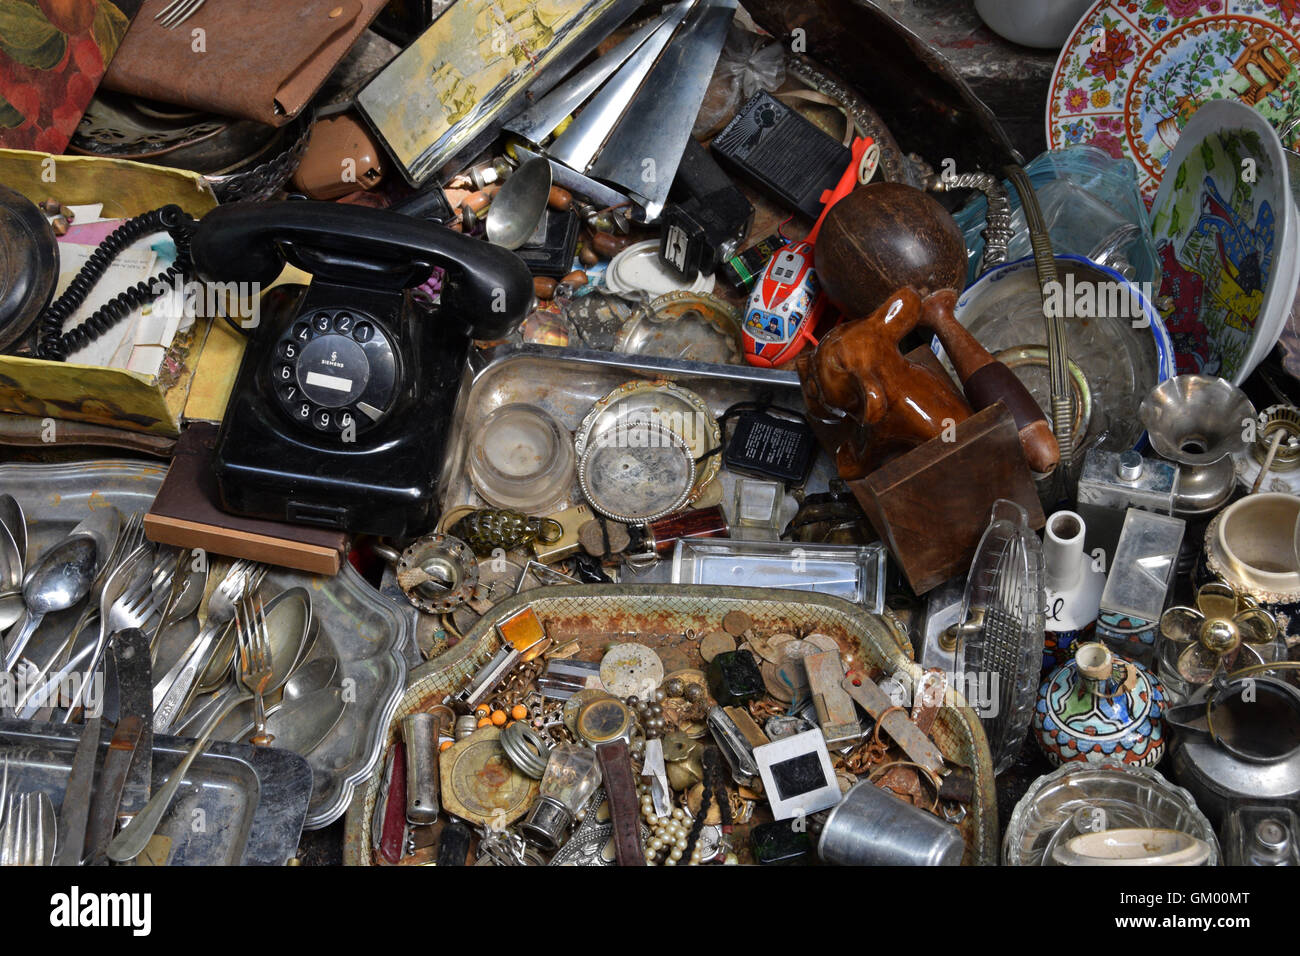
[(572, 775)]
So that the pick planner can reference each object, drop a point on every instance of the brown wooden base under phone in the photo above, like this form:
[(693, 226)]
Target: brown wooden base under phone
[(186, 514)]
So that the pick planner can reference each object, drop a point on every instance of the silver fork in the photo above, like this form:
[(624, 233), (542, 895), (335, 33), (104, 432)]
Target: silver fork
[(28, 838), (255, 669), (170, 693), (131, 609), (129, 538), (177, 12)]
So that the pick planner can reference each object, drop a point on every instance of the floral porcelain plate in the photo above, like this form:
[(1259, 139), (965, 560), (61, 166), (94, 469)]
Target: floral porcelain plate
[(1225, 231), (1134, 71)]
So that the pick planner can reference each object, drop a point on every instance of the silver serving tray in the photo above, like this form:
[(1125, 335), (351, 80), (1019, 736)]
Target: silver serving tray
[(568, 382), (238, 805), (365, 632)]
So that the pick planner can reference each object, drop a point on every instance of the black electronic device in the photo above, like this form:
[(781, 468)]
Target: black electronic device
[(769, 445), (343, 402), (708, 219), (550, 250), (773, 146)]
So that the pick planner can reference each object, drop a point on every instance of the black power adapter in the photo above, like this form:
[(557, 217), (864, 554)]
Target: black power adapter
[(768, 445)]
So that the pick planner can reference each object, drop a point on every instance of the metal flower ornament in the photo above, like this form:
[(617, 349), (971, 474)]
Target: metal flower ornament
[(1217, 632)]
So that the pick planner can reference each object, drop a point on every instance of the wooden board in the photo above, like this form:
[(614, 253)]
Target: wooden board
[(931, 505)]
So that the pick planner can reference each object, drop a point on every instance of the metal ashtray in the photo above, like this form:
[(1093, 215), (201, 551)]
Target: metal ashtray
[(437, 573), (636, 472), (693, 326), (669, 406)]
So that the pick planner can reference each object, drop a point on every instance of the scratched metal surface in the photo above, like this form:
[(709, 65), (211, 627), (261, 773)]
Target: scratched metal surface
[(660, 614)]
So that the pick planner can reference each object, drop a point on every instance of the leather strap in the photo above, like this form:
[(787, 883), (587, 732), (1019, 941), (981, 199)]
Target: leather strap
[(624, 806)]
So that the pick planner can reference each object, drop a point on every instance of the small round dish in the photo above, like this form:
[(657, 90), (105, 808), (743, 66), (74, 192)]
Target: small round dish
[(637, 270), (522, 458), (636, 472), (682, 411), (684, 325), (1083, 798)]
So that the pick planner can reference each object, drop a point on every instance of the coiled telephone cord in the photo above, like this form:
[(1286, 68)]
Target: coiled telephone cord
[(54, 344)]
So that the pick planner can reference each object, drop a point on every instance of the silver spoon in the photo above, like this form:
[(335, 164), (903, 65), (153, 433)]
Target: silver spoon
[(301, 725), (60, 579), (311, 676), (11, 579), (288, 619), (520, 205), (15, 522)]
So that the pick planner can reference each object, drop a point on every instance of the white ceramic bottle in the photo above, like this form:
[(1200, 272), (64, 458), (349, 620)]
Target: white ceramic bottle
[(1073, 584)]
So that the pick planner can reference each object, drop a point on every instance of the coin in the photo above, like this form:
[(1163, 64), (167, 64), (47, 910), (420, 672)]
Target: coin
[(715, 643), (785, 681), (736, 623)]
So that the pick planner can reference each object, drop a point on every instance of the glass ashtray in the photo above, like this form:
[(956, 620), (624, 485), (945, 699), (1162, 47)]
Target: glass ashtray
[(522, 458), (1082, 798)]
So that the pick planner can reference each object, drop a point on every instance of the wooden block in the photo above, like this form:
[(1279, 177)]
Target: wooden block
[(931, 505)]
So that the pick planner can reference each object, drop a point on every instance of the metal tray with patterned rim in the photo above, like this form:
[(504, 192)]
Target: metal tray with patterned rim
[(567, 383), (659, 610), (363, 630)]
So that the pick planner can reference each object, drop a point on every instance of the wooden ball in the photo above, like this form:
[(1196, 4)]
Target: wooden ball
[(882, 237)]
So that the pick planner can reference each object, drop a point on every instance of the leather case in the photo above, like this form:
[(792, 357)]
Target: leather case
[(260, 59)]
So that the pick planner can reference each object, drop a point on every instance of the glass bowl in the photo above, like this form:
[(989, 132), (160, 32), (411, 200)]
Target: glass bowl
[(1078, 798), (522, 458)]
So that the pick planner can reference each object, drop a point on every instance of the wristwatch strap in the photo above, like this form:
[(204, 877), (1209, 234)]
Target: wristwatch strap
[(624, 806)]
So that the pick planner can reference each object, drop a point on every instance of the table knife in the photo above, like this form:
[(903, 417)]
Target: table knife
[(108, 795), (135, 692), (76, 798)]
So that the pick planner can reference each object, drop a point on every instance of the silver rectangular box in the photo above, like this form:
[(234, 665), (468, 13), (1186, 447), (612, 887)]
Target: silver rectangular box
[(1137, 584), (1111, 483)]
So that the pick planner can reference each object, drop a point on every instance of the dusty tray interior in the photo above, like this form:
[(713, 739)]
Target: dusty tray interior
[(591, 613)]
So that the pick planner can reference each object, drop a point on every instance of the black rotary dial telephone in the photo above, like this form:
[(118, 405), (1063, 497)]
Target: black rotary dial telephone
[(342, 406)]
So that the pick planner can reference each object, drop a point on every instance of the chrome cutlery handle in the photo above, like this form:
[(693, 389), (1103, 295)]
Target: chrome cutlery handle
[(19, 642), (135, 836), (170, 692)]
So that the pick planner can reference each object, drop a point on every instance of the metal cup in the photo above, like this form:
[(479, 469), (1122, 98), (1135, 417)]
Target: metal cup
[(872, 827)]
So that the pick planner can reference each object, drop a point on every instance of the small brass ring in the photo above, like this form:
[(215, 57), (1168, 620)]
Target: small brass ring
[(543, 537)]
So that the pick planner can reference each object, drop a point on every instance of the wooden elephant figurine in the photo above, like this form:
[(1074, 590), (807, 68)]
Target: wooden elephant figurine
[(857, 375)]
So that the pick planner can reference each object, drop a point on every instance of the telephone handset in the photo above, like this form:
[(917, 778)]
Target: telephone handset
[(341, 409)]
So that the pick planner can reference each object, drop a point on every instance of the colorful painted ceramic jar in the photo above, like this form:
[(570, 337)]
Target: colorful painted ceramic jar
[(1101, 709)]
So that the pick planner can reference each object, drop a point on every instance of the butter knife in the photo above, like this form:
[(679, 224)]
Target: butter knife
[(76, 798)]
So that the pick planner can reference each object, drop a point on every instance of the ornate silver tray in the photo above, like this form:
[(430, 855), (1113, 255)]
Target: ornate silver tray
[(361, 629)]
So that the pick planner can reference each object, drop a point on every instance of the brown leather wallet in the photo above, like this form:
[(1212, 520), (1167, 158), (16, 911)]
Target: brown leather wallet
[(258, 59)]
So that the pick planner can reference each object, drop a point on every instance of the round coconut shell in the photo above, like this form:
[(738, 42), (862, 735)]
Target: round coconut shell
[(882, 237)]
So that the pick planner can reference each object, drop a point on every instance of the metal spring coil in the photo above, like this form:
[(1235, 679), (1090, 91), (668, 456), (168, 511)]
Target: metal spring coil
[(55, 344)]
